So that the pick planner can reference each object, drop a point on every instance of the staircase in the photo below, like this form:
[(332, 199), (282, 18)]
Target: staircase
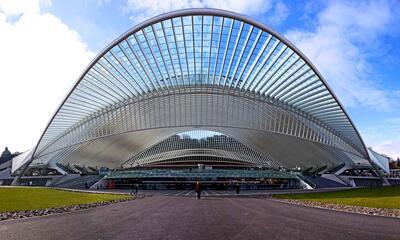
[(80, 182), (321, 182)]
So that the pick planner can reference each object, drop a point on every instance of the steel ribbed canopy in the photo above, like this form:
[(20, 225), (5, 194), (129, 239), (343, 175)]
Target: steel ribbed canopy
[(216, 57)]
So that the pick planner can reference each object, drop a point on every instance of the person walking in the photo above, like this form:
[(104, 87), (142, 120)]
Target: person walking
[(237, 188), (136, 188), (133, 190), (198, 189)]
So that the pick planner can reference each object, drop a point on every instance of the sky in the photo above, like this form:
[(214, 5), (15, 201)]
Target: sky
[(46, 44)]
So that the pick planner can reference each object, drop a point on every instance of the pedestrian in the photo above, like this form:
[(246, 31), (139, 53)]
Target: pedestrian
[(237, 188), (133, 191), (198, 189), (136, 188)]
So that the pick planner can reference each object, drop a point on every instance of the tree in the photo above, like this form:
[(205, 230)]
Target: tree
[(5, 156)]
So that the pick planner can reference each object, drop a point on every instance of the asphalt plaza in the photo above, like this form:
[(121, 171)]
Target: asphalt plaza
[(183, 217)]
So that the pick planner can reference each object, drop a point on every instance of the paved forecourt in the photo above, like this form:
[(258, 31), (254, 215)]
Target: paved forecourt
[(177, 217), (216, 193)]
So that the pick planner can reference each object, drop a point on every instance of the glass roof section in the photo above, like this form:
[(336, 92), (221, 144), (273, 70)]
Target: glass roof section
[(201, 47), (199, 143)]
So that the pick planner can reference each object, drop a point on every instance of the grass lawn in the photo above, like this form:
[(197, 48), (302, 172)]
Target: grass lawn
[(384, 197), (28, 198)]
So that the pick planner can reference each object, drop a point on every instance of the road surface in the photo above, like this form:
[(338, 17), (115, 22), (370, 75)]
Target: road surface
[(183, 217)]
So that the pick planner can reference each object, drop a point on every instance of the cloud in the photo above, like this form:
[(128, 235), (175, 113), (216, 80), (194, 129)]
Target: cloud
[(280, 13), (40, 58), (142, 10), (16, 7), (340, 45), (384, 137), (391, 149)]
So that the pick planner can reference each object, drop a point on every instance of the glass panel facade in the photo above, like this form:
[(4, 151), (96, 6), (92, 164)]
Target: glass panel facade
[(193, 55)]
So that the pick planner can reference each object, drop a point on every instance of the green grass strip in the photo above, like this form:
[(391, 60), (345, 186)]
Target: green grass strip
[(383, 197), (28, 198)]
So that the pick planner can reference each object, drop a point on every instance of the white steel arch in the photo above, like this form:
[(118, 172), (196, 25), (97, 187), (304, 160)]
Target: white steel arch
[(206, 69)]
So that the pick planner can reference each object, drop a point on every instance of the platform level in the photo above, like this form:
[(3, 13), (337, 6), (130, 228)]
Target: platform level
[(184, 179)]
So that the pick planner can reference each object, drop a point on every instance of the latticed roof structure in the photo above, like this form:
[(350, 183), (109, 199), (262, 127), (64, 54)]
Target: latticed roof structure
[(201, 69)]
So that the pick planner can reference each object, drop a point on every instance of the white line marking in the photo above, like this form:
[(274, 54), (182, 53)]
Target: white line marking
[(187, 194), (179, 193), (215, 193), (171, 193)]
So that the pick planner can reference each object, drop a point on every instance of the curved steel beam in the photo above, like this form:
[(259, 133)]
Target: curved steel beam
[(193, 12)]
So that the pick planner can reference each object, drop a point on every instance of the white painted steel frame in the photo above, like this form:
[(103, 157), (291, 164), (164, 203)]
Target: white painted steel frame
[(192, 57), (219, 147)]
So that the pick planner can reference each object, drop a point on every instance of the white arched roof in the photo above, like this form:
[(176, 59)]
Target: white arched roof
[(199, 68)]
